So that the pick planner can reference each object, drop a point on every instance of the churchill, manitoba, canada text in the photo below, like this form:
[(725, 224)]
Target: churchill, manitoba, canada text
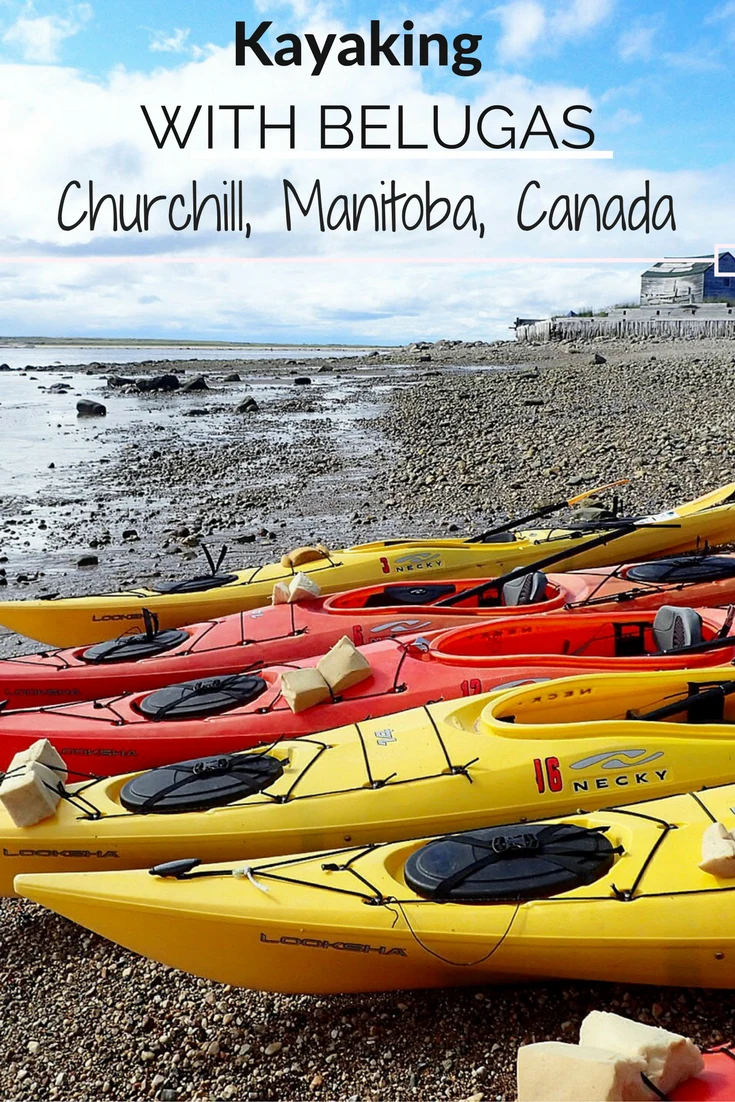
[(388, 208), (249, 132)]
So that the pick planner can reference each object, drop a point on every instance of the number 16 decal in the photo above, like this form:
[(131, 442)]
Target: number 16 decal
[(548, 774)]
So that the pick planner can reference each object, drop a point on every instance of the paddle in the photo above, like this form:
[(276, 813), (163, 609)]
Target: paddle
[(544, 511), (697, 700), (542, 564)]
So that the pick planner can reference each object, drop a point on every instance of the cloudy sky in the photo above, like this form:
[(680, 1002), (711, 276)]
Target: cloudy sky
[(73, 77)]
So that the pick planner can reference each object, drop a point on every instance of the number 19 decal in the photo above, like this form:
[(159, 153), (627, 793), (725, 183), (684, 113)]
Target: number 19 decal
[(548, 774)]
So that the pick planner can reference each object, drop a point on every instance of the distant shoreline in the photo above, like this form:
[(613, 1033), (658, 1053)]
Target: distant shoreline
[(156, 342)]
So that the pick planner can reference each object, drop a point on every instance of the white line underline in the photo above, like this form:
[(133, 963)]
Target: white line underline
[(132, 259), (245, 157)]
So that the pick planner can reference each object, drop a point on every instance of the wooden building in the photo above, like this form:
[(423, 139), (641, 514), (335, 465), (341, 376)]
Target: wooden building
[(688, 279)]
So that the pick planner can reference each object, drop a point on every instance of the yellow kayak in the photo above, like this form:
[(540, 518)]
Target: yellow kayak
[(76, 621), (616, 895), (542, 749)]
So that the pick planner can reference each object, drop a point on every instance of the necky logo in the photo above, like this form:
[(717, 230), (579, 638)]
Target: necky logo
[(397, 627), (417, 558), (611, 759)]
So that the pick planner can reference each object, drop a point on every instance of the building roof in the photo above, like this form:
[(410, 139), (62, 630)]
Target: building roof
[(673, 266)]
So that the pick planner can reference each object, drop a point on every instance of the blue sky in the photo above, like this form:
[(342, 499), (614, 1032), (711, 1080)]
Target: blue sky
[(74, 72)]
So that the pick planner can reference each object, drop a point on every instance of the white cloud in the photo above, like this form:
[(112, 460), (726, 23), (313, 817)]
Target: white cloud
[(527, 25), (522, 24), (38, 38), (622, 119), (697, 59), (580, 16), (174, 42), (636, 44), (726, 11)]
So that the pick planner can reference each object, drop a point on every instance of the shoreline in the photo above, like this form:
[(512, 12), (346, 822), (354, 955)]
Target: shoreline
[(162, 342)]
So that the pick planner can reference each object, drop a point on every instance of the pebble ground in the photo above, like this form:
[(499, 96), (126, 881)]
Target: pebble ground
[(82, 1019)]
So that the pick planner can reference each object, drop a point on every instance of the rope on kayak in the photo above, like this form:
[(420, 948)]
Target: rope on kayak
[(77, 798), (44, 656), (723, 1050), (446, 960), (703, 806), (246, 872), (454, 769), (653, 1088), (371, 780)]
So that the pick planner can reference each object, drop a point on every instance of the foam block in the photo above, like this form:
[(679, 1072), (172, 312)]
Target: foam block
[(555, 1072), (669, 1058), (302, 588), (26, 796), (302, 689), (44, 752), (343, 666), (718, 851), (281, 594), (301, 555)]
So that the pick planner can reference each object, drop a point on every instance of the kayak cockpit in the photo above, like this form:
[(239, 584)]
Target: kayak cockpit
[(669, 631), (530, 588)]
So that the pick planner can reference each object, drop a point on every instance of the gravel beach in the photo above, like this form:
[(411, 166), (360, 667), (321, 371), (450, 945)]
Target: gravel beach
[(439, 438)]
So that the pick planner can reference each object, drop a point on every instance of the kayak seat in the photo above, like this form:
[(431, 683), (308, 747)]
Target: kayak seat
[(674, 628), (526, 590), (521, 861), (709, 568), (409, 595)]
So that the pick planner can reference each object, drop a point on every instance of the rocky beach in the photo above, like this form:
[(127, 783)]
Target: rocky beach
[(261, 455)]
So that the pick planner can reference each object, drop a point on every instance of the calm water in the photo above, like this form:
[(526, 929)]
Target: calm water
[(39, 428), (47, 356)]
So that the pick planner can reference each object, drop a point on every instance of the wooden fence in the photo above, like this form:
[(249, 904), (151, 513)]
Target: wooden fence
[(571, 329)]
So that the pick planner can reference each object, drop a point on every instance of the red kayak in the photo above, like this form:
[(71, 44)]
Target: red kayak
[(224, 714), (265, 636), (715, 1084)]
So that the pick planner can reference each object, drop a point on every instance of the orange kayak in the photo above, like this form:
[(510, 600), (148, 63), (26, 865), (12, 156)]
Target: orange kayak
[(233, 712), (285, 633), (715, 1084)]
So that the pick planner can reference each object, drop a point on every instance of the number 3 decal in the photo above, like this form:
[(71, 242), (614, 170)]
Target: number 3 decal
[(548, 774)]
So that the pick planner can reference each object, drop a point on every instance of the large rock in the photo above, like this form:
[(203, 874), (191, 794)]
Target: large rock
[(87, 408), (120, 380), (248, 405), (158, 382), (199, 383)]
